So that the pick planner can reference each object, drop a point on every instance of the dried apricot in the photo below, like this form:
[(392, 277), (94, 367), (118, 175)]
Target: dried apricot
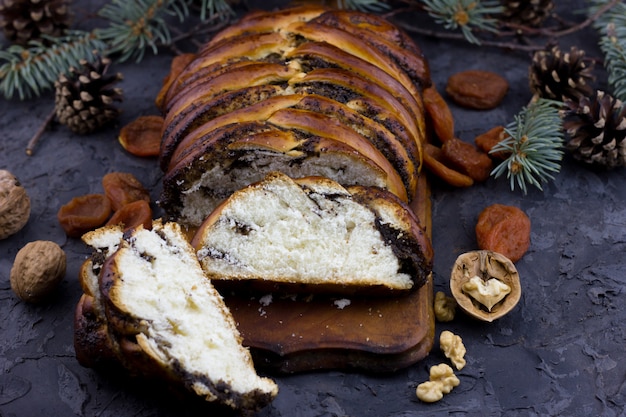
[(122, 188), (486, 141), (477, 89), (84, 213), (467, 159), (439, 114), (142, 136), (132, 215), (433, 157), (505, 230)]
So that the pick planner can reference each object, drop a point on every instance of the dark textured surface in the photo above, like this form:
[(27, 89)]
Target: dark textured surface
[(559, 353)]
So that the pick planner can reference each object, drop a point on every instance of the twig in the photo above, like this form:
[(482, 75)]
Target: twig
[(517, 30), (572, 29), (32, 143), (200, 29), (460, 37)]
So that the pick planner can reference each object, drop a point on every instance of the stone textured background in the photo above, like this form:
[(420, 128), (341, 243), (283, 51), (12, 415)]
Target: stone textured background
[(560, 352)]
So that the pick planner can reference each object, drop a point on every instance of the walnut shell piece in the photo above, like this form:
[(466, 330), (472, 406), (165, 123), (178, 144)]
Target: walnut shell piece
[(38, 268), (487, 265), (14, 205)]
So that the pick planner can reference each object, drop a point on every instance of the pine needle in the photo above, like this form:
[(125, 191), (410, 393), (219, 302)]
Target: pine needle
[(363, 5), (219, 8), (29, 71), (466, 15), (135, 26), (534, 145), (612, 28)]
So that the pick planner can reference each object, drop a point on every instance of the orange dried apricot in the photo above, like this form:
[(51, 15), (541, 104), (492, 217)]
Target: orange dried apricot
[(477, 89), (486, 141), (433, 157), (439, 114), (122, 188), (84, 213), (132, 215), (505, 230), (467, 159), (142, 136)]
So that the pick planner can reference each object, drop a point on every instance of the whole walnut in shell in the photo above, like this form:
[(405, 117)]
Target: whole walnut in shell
[(38, 268), (485, 284), (14, 205)]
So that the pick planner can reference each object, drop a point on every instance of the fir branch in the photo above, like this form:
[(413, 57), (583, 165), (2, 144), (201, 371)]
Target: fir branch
[(30, 71), (534, 145), (135, 26), (612, 28), (466, 15), (219, 8), (363, 5)]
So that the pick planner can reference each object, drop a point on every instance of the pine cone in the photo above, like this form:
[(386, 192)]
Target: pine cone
[(84, 99), (26, 20), (595, 129), (527, 13), (560, 76)]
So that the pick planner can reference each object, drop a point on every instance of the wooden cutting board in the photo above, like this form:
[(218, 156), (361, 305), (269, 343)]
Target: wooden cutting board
[(295, 334)]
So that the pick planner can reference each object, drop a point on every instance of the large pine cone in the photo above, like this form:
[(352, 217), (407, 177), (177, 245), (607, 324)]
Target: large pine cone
[(596, 130), (84, 98), (527, 13), (560, 76), (26, 20)]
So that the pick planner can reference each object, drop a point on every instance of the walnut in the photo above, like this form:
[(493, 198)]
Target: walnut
[(485, 284), (445, 307), (14, 205), (452, 346), (38, 268), (442, 381)]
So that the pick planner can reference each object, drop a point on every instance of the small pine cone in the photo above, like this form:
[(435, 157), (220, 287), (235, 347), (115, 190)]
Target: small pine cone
[(84, 98), (26, 20), (595, 130), (560, 76), (527, 13)]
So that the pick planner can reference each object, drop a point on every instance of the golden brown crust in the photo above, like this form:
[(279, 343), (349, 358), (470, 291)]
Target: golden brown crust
[(92, 343), (177, 66), (259, 111), (331, 55), (394, 150), (359, 79), (319, 125), (245, 48), (358, 87), (386, 37), (268, 21), (239, 75)]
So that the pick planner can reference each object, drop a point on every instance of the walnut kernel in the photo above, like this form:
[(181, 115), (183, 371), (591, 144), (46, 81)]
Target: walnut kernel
[(38, 268), (14, 205), (442, 381), (452, 346), (445, 307)]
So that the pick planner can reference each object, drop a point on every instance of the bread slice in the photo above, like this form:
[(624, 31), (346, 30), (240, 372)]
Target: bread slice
[(236, 155), (175, 325), (313, 234)]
